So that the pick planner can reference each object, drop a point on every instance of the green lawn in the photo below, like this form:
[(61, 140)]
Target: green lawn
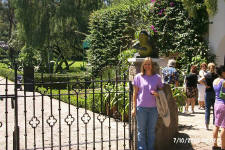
[(78, 66)]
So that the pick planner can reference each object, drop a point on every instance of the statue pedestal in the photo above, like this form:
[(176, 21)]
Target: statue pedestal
[(164, 135)]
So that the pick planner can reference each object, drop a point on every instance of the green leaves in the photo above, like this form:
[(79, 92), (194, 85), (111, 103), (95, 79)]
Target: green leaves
[(56, 26), (192, 6), (29, 57), (211, 6), (112, 31), (33, 17)]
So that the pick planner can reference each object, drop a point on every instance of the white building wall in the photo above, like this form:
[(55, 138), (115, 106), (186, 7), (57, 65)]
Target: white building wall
[(217, 33)]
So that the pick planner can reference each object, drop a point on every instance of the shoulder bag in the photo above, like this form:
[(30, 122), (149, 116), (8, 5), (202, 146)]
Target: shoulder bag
[(222, 94)]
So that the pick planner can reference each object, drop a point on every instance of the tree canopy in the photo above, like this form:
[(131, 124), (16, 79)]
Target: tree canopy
[(55, 29)]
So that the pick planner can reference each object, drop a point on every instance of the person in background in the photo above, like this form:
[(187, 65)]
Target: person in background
[(201, 87), (170, 74), (209, 92), (219, 108), (191, 88), (146, 85)]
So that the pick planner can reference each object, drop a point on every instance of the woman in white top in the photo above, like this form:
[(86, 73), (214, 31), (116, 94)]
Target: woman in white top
[(201, 87)]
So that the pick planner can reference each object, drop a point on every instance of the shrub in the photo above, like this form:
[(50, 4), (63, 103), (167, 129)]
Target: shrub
[(112, 31), (59, 80), (178, 35), (180, 97), (174, 32)]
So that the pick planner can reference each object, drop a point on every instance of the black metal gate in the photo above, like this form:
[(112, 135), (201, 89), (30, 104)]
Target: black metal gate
[(87, 114)]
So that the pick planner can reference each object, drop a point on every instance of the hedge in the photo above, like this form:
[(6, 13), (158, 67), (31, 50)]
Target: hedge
[(46, 78), (111, 31)]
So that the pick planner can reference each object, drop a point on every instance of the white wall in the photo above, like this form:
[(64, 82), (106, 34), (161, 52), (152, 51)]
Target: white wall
[(217, 33)]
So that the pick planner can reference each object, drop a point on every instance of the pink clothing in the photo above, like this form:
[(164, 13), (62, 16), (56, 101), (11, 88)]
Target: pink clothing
[(219, 111), (219, 107)]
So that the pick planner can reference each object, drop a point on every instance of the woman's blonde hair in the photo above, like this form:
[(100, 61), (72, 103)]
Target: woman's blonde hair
[(212, 65), (143, 63), (203, 64)]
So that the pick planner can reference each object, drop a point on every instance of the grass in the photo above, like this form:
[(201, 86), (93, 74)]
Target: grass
[(2, 65), (78, 66)]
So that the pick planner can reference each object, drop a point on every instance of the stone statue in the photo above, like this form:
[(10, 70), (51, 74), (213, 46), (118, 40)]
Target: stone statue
[(145, 46)]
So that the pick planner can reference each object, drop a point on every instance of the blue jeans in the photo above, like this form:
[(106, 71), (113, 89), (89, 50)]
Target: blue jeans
[(209, 101), (146, 122)]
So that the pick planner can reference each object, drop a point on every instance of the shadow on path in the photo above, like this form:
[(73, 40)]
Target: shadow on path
[(187, 127), (181, 141)]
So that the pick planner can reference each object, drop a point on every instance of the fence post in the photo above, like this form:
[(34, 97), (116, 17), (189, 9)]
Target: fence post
[(133, 128), (16, 132)]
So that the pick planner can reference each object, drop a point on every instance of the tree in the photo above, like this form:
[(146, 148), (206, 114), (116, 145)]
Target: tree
[(54, 28), (7, 22)]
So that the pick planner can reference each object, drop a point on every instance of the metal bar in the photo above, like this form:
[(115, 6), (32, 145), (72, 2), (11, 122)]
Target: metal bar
[(25, 119), (101, 113), (93, 110), (68, 87), (34, 116), (60, 128), (42, 114), (6, 114), (85, 113), (8, 96), (16, 129), (130, 99), (82, 82), (51, 112), (124, 108), (54, 95), (78, 130), (117, 111), (109, 114)]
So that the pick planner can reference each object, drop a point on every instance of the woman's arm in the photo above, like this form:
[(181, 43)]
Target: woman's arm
[(135, 93), (159, 87), (203, 81)]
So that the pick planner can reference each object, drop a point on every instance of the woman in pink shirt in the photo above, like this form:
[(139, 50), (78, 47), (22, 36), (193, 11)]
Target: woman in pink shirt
[(146, 85)]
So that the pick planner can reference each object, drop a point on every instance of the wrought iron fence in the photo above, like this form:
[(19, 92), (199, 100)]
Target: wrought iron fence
[(88, 114)]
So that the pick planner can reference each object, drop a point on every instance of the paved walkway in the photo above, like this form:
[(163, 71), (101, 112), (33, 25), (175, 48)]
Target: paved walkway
[(192, 132)]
